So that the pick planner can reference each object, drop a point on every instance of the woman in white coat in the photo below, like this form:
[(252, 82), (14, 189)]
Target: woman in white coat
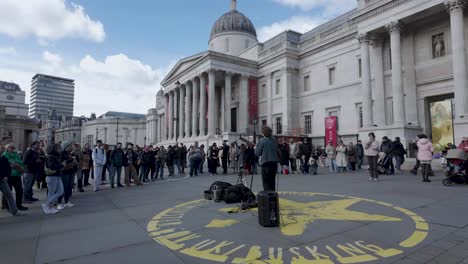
[(341, 161)]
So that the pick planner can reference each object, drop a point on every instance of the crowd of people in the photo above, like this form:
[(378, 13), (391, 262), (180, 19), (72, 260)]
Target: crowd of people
[(63, 167)]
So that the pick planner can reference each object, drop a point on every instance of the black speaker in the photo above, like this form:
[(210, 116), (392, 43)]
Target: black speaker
[(268, 209)]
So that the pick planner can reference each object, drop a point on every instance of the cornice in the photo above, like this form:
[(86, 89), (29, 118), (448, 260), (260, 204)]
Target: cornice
[(376, 9)]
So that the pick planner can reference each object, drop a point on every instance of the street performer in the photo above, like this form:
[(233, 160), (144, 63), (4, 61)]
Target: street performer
[(267, 150)]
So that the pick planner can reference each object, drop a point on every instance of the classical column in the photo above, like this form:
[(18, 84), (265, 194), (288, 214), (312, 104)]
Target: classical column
[(399, 113), (195, 107), (379, 88), (243, 103), (188, 109), (203, 102), (171, 116), (408, 61), (455, 8), (269, 95), (182, 110), (176, 113), (286, 92), (211, 103), (227, 101), (366, 91)]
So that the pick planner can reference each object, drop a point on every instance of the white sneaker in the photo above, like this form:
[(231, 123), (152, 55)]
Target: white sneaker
[(371, 179), (69, 205), (45, 208), (60, 206), (19, 213), (53, 210), (376, 180)]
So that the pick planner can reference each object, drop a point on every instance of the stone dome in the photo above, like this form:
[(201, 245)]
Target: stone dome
[(233, 21)]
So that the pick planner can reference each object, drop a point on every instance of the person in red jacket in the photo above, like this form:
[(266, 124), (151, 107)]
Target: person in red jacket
[(464, 144)]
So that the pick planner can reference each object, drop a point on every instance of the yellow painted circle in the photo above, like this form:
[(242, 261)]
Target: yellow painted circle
[(169, 228)]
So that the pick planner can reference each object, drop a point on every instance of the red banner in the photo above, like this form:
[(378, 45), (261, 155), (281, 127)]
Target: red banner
[(253, 100), (330, 130)]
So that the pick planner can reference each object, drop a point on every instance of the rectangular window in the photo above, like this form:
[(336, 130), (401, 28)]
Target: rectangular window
[(308, 124), (262, 93), (264, 122), (306, 83), (277, 87), (359, 67), (331, 75), (279, 126), (360, 116)]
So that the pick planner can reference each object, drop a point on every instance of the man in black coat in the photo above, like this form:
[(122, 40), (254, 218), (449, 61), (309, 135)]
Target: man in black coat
[(32, 165), (225, 157), (398, 151)]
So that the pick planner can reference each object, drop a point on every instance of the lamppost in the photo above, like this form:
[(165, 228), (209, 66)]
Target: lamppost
[(254, 122)]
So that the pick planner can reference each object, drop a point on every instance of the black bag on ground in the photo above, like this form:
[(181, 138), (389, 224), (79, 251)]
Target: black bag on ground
[(217, 190), (238, 194)]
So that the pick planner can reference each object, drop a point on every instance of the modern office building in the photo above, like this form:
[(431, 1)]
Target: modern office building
[(49, 92)]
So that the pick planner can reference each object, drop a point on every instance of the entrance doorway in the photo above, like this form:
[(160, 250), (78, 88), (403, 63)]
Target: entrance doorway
[(441, 121), (234, 120)]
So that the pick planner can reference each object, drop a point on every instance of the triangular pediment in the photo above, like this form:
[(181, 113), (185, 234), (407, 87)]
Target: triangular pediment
[(183, 65)]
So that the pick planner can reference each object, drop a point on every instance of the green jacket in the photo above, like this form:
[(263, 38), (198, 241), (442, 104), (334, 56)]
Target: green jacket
[(14, 158)]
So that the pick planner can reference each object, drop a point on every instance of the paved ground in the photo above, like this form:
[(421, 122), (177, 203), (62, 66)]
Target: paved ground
[(339, 218)]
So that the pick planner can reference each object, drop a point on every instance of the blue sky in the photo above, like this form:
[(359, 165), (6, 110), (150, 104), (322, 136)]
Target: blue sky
[(124, 48)]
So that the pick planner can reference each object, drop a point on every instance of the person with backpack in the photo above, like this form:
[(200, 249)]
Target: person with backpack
[(117, 161), (53, 169), (386, 147), (99, 161), (351, 155), (195, 157), (32, 165), (67, 175), (267, 149), (143, 161)]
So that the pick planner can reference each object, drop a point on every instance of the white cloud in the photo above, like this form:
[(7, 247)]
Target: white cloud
[(48, 20), (327, 8), (7, 51), (51, 58), (116, 83), (299, 24)]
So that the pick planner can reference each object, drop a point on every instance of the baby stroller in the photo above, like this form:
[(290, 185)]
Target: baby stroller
[(383, 167), (456, 167)]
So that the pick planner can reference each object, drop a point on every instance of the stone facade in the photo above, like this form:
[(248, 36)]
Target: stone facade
[(377, 68), (118, 127)]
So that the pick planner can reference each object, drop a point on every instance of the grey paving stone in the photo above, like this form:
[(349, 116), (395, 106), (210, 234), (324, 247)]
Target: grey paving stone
[(87, 241), (145, 253), (18, 251)]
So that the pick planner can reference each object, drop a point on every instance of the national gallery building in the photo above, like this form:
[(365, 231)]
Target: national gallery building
[(394, 67)]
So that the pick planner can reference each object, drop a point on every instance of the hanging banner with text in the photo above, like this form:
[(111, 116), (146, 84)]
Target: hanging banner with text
[(253, 100), (330, 130)]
